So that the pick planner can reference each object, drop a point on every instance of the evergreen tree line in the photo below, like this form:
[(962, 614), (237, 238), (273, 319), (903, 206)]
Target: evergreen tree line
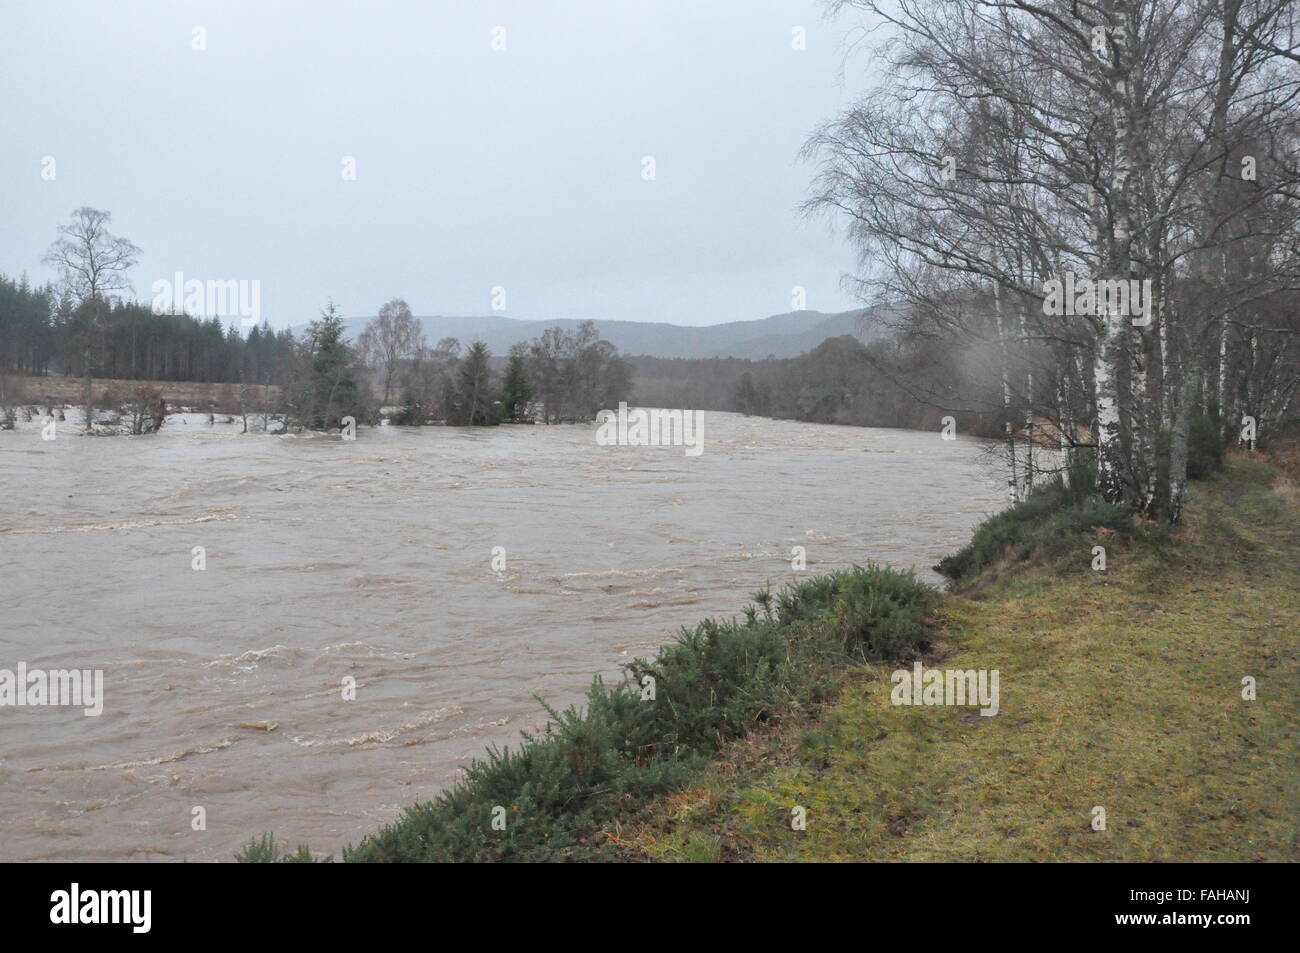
[(43, 331)]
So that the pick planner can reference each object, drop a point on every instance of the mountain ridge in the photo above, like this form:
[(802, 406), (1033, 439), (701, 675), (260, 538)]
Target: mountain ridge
[(778, 335)]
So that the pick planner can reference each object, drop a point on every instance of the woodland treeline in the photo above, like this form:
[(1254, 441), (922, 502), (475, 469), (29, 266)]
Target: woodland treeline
[(559, 376), (86, 327), (841, 381), (1007, 150), (44, 331)]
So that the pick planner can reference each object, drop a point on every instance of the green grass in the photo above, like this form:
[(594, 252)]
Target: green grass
[(1120, 689)]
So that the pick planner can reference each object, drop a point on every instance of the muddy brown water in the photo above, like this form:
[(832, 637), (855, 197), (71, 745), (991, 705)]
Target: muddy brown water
[(372, 560)]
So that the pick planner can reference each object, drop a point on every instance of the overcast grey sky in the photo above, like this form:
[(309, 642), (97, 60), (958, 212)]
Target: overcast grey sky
[(475, 168)]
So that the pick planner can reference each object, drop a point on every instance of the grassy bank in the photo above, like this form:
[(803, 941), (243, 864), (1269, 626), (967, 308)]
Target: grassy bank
[(560, 794), (1119, 688)]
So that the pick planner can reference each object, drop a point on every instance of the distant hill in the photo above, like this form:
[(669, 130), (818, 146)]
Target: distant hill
[(781, 335)]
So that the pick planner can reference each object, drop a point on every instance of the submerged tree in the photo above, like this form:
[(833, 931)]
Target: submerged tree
[(516, 389), (326, 385), (427, 383), (476, 403), (389, 339), (146, 410), (576, 373)]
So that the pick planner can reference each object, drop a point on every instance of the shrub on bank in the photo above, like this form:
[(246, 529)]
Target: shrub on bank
[(549, 798), (267, 850), (880, 613), (1054, 521)]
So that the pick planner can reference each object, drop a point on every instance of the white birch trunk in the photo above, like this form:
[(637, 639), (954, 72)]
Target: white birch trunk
[(1029, 409), (1012, 481), (1221, 373)]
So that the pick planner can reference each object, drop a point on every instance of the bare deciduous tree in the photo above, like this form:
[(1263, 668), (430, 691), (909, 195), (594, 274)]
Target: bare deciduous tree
[(93, 263), (1151, 141), (390, 338), (576, 373)]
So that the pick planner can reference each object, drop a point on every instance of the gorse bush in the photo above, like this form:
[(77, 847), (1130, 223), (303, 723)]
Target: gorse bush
[(266, 850), (552, 796), (1054, 522), (715, 682), (553, 792), (881, 613), (873, 614)]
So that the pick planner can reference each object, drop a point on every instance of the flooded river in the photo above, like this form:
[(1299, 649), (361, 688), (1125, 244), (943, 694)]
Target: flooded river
[(372, 559)]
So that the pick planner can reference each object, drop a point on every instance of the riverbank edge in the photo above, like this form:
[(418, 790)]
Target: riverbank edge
[(1146, 714), (774, 783)]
